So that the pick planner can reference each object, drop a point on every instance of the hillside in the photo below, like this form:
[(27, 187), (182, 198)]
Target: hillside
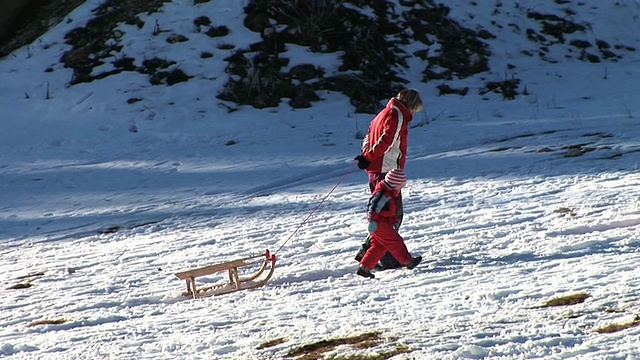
[(378, 47)]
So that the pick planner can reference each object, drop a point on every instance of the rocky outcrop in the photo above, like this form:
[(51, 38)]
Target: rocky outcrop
[(9, 10), (23, 21)]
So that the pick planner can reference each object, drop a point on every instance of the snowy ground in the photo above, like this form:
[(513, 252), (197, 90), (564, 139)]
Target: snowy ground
[(504, 211)]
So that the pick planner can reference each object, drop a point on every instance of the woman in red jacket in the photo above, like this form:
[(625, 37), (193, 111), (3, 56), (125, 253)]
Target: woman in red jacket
[(385, 148), (382, 216)]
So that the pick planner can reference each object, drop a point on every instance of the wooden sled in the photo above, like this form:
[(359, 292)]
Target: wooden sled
[(236, 282)]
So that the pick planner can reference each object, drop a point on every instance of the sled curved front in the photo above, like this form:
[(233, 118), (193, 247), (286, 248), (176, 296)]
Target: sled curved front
[(236, 283)]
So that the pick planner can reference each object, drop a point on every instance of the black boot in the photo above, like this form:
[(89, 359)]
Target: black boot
[(388, 262), (364, 272), (415, 260), (365, 246)]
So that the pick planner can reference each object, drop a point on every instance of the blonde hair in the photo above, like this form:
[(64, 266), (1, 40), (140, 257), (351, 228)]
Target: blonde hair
[(411, 98)]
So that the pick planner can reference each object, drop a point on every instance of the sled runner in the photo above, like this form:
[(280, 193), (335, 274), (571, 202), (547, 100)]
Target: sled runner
[(237, 279)]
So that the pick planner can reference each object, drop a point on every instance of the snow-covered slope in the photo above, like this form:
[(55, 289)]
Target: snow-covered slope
[(511, 203)]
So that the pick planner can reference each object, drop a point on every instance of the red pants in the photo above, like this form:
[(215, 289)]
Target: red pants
[(384, 239)]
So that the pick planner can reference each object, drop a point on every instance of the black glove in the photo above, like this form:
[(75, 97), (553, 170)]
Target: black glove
[(363, 163)]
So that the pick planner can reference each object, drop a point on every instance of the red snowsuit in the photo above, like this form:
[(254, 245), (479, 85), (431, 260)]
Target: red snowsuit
[(385, 145), (382, 209)]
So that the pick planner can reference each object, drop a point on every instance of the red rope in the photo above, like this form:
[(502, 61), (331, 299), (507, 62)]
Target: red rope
[(317, 207)]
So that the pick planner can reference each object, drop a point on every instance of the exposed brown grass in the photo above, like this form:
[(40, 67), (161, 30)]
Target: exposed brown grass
[(381, 356), (271, 343), (566, 300), (368, 340), (611, 328), (47, 322), (566, 211), (20, 286), (41, 273)]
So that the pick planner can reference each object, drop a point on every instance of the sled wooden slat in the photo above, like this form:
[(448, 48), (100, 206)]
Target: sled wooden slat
[(236, 282)]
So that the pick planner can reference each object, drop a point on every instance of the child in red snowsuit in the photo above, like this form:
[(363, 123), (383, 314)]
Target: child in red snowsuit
[(381, 213)]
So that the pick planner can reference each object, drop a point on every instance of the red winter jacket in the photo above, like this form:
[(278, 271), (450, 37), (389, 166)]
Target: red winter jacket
[(383, 204), (385, 146)]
